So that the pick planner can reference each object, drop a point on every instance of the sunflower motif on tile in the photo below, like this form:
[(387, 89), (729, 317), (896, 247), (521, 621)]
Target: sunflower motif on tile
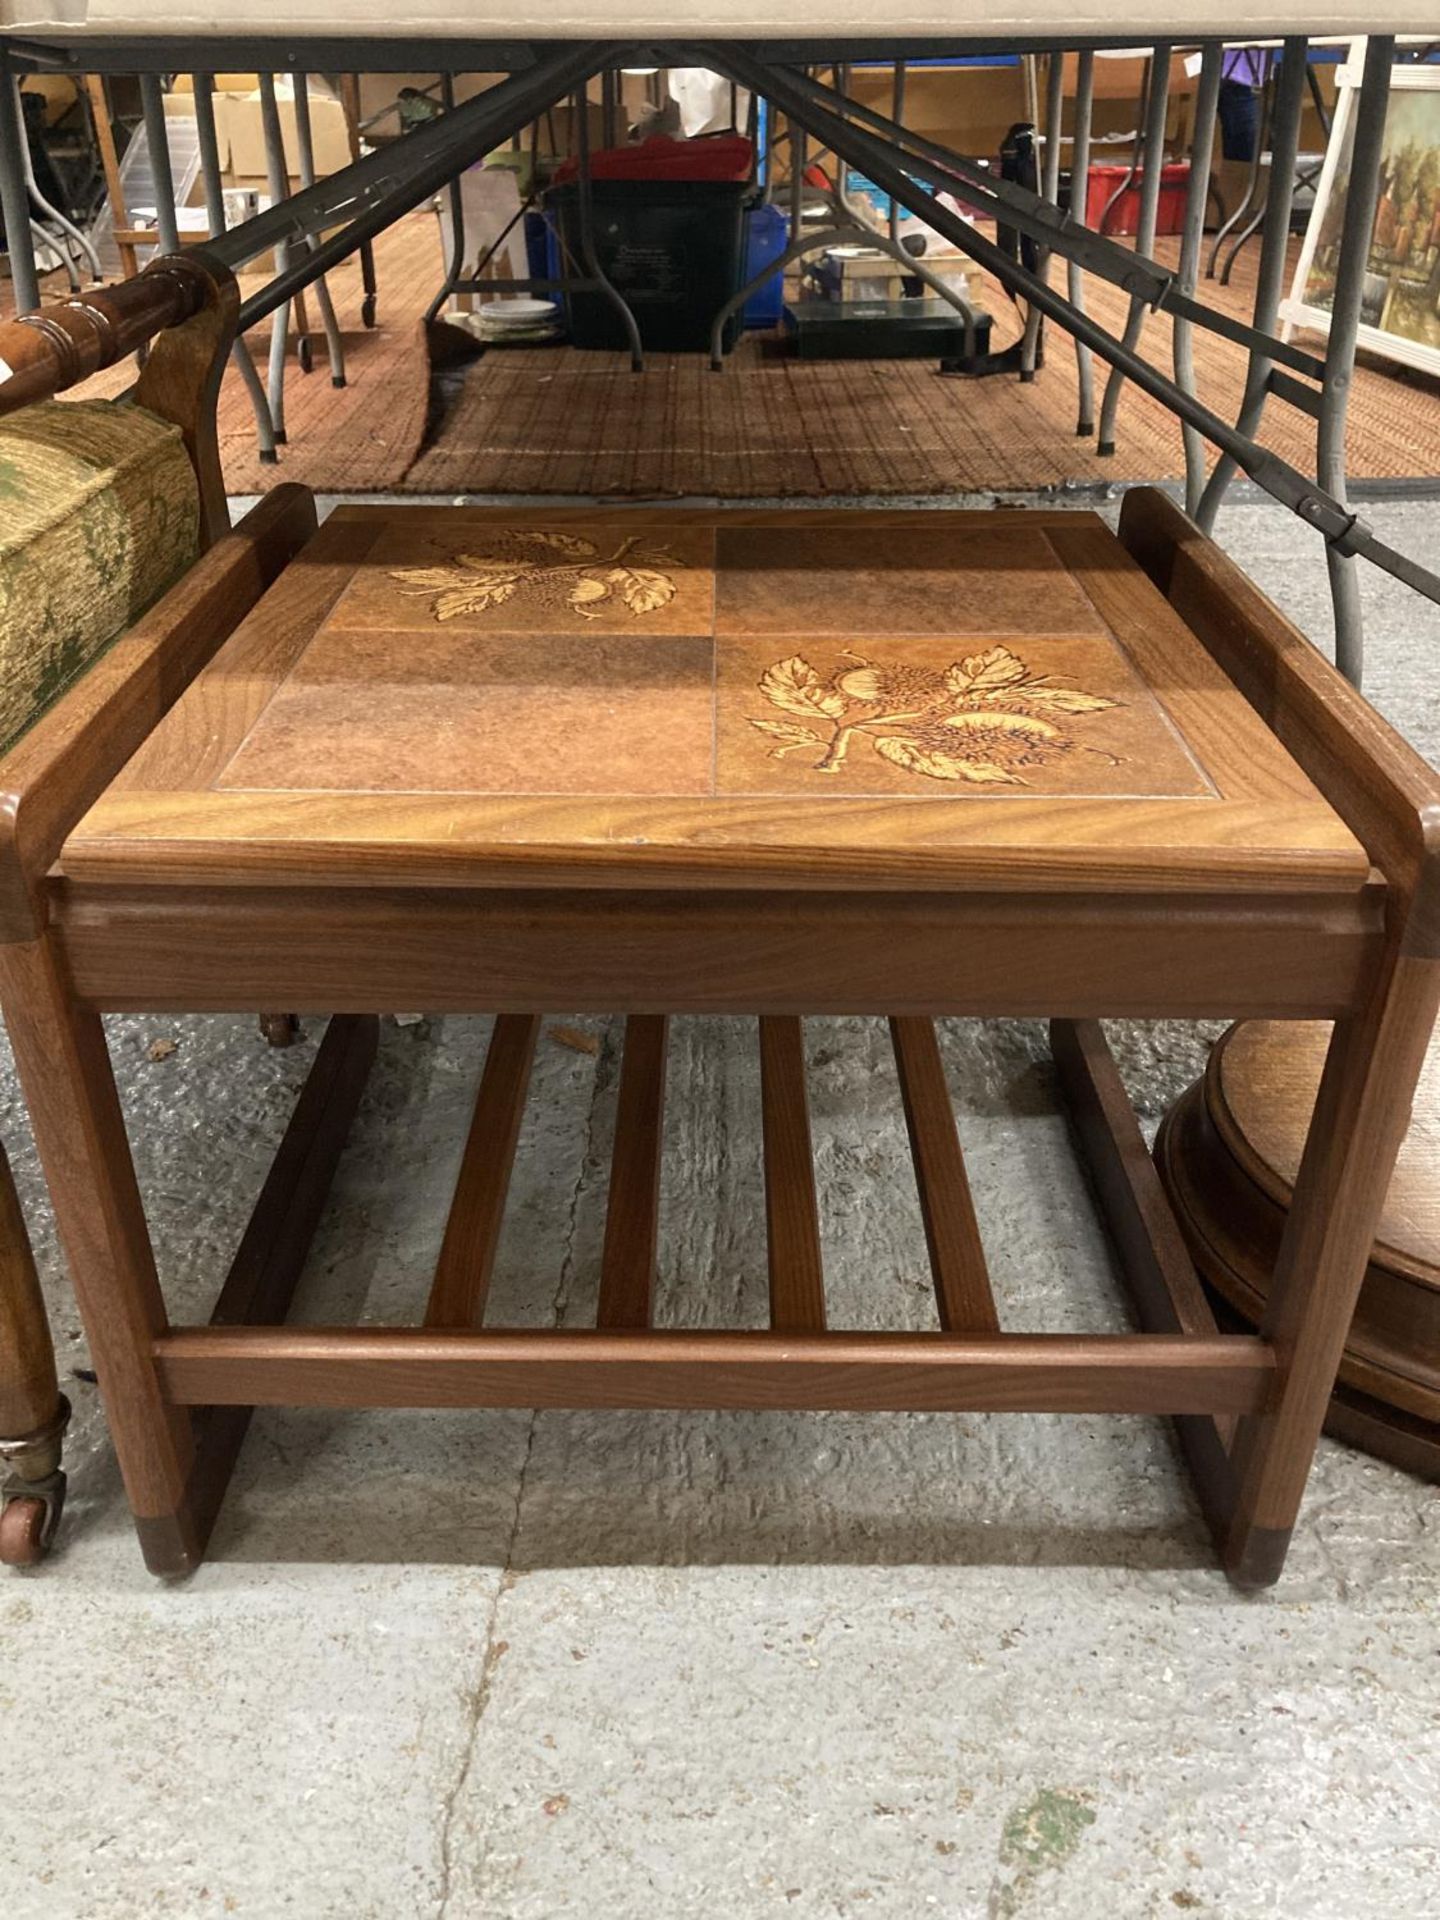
[(984, 719), (563, 568)]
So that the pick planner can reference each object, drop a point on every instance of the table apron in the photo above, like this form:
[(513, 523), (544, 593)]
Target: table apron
[(233, 950)]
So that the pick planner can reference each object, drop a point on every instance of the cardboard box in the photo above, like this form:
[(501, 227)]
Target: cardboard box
[(241, 134)]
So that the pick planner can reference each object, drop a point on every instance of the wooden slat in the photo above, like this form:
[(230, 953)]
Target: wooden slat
[(952, 1232), (632, 1219), (472, 1232), (797, 1280), (1160, 1276), (863, 1372), (271, 1254)]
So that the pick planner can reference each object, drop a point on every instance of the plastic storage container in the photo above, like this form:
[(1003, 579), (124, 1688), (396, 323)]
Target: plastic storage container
[(767, 233), (674, 248), (1125, 214)]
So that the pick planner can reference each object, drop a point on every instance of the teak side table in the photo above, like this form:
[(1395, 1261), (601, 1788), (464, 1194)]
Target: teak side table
[(669, 762)]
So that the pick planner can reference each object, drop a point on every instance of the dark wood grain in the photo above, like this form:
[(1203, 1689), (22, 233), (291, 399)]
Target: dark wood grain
[(408, 1367), (271, 1256), (477, 1212), (952, 1232), (792, 1219), (29, 1388), (632, 1216)]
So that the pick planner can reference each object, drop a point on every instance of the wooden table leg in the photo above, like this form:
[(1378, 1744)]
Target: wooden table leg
[(1361, 1116), (33, 1412), (65, 1072)]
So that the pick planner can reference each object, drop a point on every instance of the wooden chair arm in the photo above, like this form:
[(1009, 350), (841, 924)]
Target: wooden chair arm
[(1380, 786), (60, 767)]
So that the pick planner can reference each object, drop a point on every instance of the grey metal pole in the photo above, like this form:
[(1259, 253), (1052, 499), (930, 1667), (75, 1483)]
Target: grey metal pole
[(1270, 277), (897, 114), (1049, 190), (157, 138), (454, 273), (1192, 245), (373, 192), (1361, 199), (305, 142), (1344, 532), (204, 85), (1157, 109), (1074, 272), (279, 185), (14, 201), (589, 258)]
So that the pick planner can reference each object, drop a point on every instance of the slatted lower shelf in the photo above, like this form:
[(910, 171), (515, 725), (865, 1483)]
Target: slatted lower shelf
[(1183, 1365)]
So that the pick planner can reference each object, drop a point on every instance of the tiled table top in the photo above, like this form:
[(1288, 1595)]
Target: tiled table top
[(923, 698)]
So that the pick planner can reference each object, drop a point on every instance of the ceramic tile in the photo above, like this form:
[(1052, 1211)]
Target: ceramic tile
[(844, 580), (454, 712), (489, 577), (943, 717)]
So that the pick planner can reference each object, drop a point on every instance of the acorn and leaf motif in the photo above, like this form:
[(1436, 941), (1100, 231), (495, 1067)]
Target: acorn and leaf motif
[(984, 719), (564, 569)]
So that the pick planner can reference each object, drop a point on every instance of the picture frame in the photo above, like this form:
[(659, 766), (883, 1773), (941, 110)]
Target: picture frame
[(1400, 311)]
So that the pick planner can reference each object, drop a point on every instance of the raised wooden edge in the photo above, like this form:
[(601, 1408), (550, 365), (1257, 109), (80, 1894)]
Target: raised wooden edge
[(477, 1212), (958, 1268), (632, 1215), (1377, 782), (792, 1218), (923, 1372), (57, 770)]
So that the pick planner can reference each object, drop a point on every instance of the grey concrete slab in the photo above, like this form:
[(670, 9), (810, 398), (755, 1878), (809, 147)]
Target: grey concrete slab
[(506, 1665)]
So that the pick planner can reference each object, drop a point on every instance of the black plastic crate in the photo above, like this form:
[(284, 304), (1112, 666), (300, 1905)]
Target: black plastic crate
[(675, 249)]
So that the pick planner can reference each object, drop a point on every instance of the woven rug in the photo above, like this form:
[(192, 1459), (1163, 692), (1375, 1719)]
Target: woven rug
[(561, 420), (360, 438)]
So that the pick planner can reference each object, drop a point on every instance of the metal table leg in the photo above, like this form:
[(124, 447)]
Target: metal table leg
[(204, 85), (279, 188), (14, 201), (1192, 242), (1156, 110), (1289, 99), (1361, 200), (455, 272), (588, 256), (1074, 272), (1050, 190), (306, 144)]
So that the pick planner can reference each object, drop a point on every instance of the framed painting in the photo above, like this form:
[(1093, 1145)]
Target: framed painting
[(1400, 307)]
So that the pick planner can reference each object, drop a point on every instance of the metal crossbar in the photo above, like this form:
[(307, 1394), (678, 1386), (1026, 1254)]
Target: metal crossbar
[(1344, 532), (376, 190)]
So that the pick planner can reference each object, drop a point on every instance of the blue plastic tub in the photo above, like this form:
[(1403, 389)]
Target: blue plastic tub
[(767, 232)]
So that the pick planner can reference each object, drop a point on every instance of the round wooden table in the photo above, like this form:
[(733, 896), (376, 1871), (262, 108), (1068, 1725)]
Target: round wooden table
[(1228, 1154)]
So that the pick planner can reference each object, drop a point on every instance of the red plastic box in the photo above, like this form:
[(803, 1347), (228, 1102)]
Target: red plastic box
[(1125, 214)]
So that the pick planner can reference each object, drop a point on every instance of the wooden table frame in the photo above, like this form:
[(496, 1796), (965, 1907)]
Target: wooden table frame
[(1249, 1408)]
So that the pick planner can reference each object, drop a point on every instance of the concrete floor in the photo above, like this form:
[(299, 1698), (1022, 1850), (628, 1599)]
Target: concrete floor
[(492, 1666)]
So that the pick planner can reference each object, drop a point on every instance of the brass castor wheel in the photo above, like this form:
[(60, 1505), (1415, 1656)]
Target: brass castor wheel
[(280, 1029), (32, 1492)]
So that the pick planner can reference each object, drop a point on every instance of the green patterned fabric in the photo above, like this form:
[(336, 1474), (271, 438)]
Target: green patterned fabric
[(99, 512)]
